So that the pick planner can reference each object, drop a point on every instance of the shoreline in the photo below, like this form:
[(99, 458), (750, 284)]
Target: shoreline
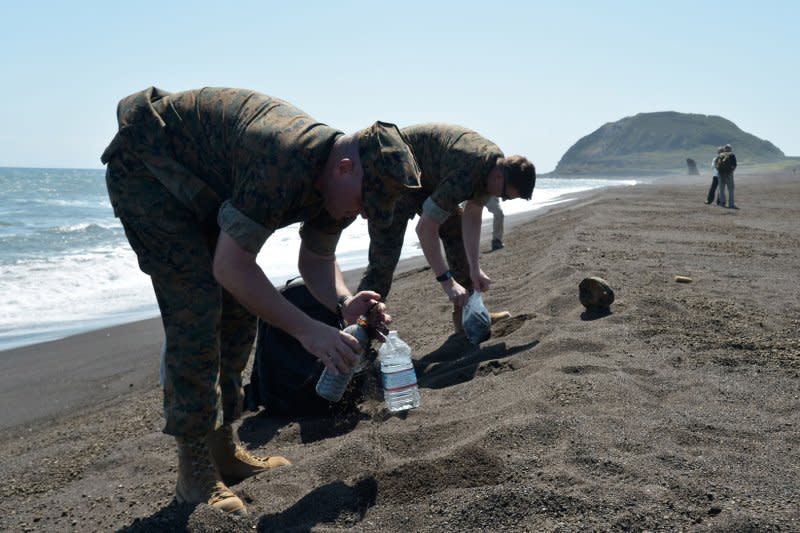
[(116, 361), (33, 321), (351, 276)]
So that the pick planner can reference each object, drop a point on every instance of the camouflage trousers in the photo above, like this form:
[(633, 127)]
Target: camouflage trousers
[(208, 334), (498, 217), (385, 246)]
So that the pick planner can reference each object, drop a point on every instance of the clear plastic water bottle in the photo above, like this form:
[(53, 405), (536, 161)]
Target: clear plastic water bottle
[(397, 371), (331, 387)]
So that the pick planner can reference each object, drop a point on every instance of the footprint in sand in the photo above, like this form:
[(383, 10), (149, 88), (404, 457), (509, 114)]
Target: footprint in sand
[(467, 467), (493, 368), (585, 369), (593, 369)]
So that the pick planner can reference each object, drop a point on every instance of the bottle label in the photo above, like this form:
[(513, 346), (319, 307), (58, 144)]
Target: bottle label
[(401, 380)]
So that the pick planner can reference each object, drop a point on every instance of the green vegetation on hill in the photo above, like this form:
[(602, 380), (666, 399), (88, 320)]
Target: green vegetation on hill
[(654, 143)]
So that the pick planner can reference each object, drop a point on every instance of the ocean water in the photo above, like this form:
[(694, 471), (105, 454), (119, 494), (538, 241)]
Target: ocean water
[(66, 267)]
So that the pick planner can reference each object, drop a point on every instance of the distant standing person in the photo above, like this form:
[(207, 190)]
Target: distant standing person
[(493, 206), (714, 178), (457, 165), (726, 164)]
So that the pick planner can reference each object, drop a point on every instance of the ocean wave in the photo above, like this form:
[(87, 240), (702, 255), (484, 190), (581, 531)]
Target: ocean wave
[(100, 202), (94, 202), (82, 270), (93, 284), (87, 227), (28, 245)]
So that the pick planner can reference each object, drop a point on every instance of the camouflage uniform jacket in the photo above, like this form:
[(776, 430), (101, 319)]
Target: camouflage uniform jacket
[(244, 157), (454, 162)]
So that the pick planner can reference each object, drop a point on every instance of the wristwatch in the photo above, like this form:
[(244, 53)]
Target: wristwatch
[(445, 276)]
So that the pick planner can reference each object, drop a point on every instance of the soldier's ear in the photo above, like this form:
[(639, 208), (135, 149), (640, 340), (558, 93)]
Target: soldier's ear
[(345, 166)]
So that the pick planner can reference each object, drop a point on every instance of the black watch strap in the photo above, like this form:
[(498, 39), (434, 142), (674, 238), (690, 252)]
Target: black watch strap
[(445, 276), (340, 307)]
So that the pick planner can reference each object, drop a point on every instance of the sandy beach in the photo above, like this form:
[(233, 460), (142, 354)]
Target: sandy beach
[(678, 411)]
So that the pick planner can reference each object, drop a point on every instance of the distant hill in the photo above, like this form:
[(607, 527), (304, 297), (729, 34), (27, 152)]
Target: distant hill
[(655, 143)]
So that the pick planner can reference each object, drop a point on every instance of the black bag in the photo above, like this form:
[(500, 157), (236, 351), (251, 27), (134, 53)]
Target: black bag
[(726, 162), (284, 374)]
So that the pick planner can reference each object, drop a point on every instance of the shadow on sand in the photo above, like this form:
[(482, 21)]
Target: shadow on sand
[(335, 502), (595, 314), (457, 361)]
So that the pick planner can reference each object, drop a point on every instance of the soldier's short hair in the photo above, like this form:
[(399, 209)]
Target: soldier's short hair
[(520, 173)]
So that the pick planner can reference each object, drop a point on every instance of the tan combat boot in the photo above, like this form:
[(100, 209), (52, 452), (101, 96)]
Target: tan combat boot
[(199, 481), (458, 326), (233, 461), (497, 317)]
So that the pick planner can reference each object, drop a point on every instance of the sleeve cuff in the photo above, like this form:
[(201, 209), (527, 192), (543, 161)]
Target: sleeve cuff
[(319, 242), (247, 233), (434, 211)]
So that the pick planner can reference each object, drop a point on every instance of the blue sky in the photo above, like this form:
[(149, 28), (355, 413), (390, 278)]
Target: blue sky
[(533, 77)]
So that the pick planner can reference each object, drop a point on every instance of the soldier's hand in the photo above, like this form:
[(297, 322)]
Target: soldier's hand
[(378, 321), (367, 303), (455, 292), (337, 350), (480, 281)]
